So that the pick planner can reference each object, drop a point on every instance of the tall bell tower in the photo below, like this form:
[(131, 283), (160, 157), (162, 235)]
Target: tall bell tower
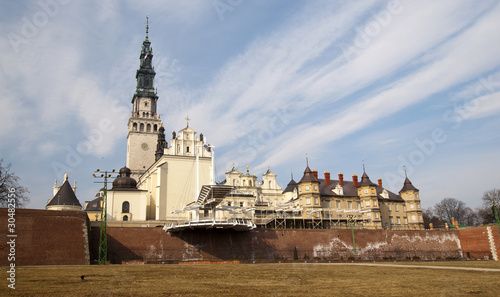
[(144, 121)]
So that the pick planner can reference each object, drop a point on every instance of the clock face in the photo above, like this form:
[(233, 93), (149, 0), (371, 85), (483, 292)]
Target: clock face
[(145, 146)]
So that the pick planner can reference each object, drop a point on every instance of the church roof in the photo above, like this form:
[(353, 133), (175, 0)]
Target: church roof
[(124, 181), (65, 196), (408, 186), (308, 176)]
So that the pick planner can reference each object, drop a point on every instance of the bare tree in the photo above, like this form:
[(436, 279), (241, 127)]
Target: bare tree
[(10, 188), (486, 212), (450, 208), (429, 217)]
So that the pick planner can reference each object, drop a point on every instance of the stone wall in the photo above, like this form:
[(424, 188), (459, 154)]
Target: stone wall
[(46, 237), (153, 244)]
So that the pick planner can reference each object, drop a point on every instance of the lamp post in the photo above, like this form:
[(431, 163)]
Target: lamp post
[(353, 240), (103, 237), (495, 211)]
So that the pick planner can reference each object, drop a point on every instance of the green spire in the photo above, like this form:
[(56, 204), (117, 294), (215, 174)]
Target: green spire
[(146, 73)]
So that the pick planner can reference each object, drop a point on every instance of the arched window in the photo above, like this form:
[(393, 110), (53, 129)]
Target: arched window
[(187, 149), (141, 127), (125, 207), (134, 127), (125, 218), (155, 128), (148, 128), (143, 114)]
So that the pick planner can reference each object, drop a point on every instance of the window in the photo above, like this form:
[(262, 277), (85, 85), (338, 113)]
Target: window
[(145, 104), (148, 128), (316, 201), (134, 127), (187, 149), (413, 218), (141, 127), (376, 215), (369, 215), (125, 207), (125, 218), (391, 220), (242, 204), (396, 207), (315, 188), (367, 203), (338, 204), (404, 207), (418, 205), (366, 191), (406, 220), (308, 201), (155, 128), (349, 205), (412, 206), (205, 213), (327, 204), (300, 189), (398, 220), (389, 206), (375, 203), (229, 203), (307, 188)]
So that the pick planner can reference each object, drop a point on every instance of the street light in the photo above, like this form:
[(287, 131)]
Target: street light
[(103, 239)]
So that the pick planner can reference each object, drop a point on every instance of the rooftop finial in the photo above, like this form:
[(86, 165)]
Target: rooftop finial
[(404, 166), (307, 160), (187, 119), (363, 165), (147, 26)]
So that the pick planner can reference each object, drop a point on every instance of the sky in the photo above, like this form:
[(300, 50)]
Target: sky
[(269, 83)]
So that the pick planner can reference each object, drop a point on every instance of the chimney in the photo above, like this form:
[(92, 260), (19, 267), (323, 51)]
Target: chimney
[(327, 177), (380, 182), (315, 174), (341, 179), (355, 180)]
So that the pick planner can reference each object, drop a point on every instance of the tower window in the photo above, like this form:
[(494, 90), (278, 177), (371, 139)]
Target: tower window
[(125, 218), (141, 127), (143, 114), (155, 128), (187, 149), (146, 104), (148, 128), (134, 127)]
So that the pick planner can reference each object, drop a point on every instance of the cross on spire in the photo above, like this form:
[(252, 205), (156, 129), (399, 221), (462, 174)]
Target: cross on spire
[(147, 25), (187, 119)]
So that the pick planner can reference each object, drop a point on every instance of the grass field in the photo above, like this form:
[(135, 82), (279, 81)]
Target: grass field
[(295, 279)]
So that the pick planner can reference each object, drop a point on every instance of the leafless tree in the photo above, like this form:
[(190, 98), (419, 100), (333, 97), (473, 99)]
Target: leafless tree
[(450, 208), (486, 212), (10, 188)]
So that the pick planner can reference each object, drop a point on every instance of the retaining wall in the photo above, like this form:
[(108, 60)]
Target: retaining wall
[(153, 244), (45, 237)]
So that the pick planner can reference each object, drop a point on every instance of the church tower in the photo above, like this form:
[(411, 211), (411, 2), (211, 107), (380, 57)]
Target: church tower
[(144, 121)]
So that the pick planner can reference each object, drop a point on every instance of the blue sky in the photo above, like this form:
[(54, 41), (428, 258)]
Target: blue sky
[(413, 83)]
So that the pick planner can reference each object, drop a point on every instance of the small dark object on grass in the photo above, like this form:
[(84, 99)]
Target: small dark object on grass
[(82, 277)]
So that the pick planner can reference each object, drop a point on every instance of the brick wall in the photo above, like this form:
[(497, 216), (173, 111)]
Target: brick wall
[(153, 244), (476, 244), (46, 237)]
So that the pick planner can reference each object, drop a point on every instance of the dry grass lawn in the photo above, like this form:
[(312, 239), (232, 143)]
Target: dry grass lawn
[(296, 279)]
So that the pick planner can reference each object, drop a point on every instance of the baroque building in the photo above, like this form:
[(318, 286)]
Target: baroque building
[(173, 183)]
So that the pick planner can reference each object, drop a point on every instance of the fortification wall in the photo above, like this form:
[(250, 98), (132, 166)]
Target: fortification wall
[(45, 237), (153, 244), (480, 242)]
